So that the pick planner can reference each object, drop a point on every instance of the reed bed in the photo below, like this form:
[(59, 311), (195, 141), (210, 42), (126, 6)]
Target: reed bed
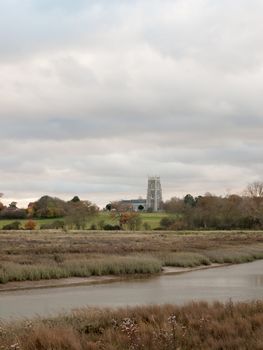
[(237, 255), (184, 259), (80, 268), (53, 255), (193, 326)]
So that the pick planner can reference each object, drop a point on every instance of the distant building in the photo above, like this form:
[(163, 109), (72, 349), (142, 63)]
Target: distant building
[(153, 202), (154, 194), (135, 204)]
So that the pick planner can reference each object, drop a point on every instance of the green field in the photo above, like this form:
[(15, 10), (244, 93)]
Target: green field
[(39, 222), (152, 219)]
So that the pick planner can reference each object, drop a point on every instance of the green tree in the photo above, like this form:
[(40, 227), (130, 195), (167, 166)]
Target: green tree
[(13, 205), (50, 207), (189, 200), (75, 199), (109, 206)]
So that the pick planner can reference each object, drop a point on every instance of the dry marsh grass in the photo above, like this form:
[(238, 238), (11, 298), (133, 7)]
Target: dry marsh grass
[(235, 255), (79, 268), (200, 325), (37, 255), (184, 259)]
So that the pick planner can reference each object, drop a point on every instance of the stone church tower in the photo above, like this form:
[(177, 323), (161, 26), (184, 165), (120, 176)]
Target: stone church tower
[(154, 194)]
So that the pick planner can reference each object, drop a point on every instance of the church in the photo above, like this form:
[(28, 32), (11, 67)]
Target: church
[(153, 201)]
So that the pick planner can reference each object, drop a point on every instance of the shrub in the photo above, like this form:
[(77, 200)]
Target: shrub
[(30, 225), (167, 222), (135, 222), (13, 213), (46, 227), (179, 224), (58, 258), (146, 226), (55, 225), (16, 225), (109, 227), (101, 224)]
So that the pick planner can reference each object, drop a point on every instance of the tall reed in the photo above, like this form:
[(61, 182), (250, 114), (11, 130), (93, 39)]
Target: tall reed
[(10, 271), (190, 327)]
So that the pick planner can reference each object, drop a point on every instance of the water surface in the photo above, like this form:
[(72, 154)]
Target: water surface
[(238, 282)]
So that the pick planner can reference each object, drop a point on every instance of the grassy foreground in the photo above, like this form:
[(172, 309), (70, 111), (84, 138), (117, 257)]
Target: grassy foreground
[(52, 255), (203, 326)]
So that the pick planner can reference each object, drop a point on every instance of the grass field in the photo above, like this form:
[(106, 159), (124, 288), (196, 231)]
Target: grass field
[(40, 255), (152, 219), (194, 326), (38, 221)]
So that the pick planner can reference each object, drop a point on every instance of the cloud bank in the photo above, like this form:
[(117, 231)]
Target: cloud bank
[(96, 95)]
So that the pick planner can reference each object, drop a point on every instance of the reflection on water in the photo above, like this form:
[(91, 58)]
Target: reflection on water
[(239, 282)]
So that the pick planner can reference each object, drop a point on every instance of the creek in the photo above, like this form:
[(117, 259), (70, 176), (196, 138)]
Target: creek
[(241, 282)]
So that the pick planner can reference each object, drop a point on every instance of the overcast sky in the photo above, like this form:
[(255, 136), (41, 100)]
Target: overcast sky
[(97, 95)]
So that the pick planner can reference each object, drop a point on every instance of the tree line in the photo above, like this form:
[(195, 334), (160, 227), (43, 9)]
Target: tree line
[(216, 212), (190, 212), (73, 214)]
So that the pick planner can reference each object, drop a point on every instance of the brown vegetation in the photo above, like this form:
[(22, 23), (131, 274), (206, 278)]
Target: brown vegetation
[(50, 255), (216, 212), (30, 225), (200, 325)]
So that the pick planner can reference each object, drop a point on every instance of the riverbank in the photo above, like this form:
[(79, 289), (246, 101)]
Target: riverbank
[(38, 256), (189, 327), (84, 281), (241, 282)]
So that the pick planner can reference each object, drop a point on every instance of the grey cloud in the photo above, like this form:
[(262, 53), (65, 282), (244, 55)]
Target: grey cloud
[(63, 5), (96, 95)]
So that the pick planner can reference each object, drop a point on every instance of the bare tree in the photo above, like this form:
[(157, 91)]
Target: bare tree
[(79, 214), (1, 204), (255, 189)]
